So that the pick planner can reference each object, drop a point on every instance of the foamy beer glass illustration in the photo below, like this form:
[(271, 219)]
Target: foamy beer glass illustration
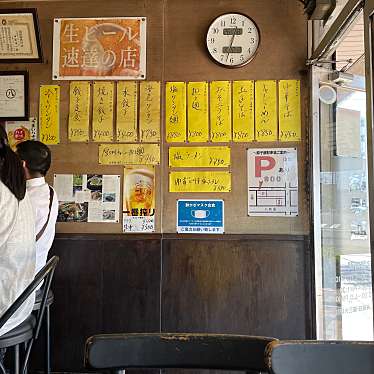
[(139, 190)]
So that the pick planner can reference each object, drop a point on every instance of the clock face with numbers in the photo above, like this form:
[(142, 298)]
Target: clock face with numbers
[(232, 39)]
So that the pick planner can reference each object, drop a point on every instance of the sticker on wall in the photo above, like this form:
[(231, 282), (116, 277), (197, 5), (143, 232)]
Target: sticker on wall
[(20, 131), (200, 216), (272, 182)]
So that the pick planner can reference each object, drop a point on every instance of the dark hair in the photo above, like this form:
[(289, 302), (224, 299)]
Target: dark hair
[(11, 170), (36, 155)]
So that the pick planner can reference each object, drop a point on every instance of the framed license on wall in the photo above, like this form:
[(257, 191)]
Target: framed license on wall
[(19, 36), (14, 95)]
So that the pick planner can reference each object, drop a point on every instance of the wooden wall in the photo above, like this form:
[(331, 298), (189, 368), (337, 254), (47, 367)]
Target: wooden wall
[(238, 283), (176, 51), (248, 284)]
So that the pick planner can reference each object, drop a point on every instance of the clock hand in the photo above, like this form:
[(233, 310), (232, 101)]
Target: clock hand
[(232, 39)]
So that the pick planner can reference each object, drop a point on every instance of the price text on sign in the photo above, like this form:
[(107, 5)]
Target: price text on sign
[(79, 111), (200, 181), (243, 127), (266, 111), (198, 123), (149, 112), (289, 110), (129, 154), (49, 114), (216, 157), (175, 116), (220, 111), (102, 112), (127, 111)]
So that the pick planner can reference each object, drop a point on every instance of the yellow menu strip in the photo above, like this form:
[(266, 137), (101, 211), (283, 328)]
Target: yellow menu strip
[(200, 181), (175, 112), (102, 114), (213, 157), (129, 154), (127, 111), (266, 110), (149, 124), (197, 110), (220, 111), (49, 114), (243, 126), (79, 111), (289, 110)]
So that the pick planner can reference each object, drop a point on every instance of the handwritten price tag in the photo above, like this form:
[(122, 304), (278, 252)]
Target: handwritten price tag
[(217, 157), (200, 181), (266, 111), (149, 112), (129, 154)]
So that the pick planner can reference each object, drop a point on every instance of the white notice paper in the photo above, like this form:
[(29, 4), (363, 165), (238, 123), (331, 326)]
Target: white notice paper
[(272, 182), (348, 137), (88, 197), (12, 96)]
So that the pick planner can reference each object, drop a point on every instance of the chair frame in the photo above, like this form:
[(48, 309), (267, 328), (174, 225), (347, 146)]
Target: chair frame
[(115, 352), (320, 356), (46, 273)]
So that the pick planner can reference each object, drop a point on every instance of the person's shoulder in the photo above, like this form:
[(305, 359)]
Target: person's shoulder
[(5, 191), (7, 199)]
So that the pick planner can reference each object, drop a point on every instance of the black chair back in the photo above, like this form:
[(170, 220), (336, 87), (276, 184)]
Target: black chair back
[(322, 357), (46, 275), (115, 352)]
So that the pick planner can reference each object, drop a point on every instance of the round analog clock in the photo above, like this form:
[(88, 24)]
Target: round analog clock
[(232, 39)]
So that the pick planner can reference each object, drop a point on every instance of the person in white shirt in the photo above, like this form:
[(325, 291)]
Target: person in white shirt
[(17, 237), (36, 160)]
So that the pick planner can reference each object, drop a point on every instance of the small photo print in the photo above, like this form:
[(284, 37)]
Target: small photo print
[(95, 182), (77, 179), (96, 195), (72, 212), (109, 197), (77, 183), (109, 215)]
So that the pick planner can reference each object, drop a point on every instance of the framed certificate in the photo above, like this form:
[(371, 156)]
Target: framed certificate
[(19, 36), (14, 87)]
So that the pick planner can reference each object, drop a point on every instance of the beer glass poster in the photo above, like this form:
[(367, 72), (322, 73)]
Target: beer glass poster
[(139, 199), (99, 48)]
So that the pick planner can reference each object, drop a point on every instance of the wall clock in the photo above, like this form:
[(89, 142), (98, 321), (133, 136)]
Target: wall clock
[(232, 39)]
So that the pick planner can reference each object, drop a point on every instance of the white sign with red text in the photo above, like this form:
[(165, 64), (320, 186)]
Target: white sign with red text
[(272, 182)]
